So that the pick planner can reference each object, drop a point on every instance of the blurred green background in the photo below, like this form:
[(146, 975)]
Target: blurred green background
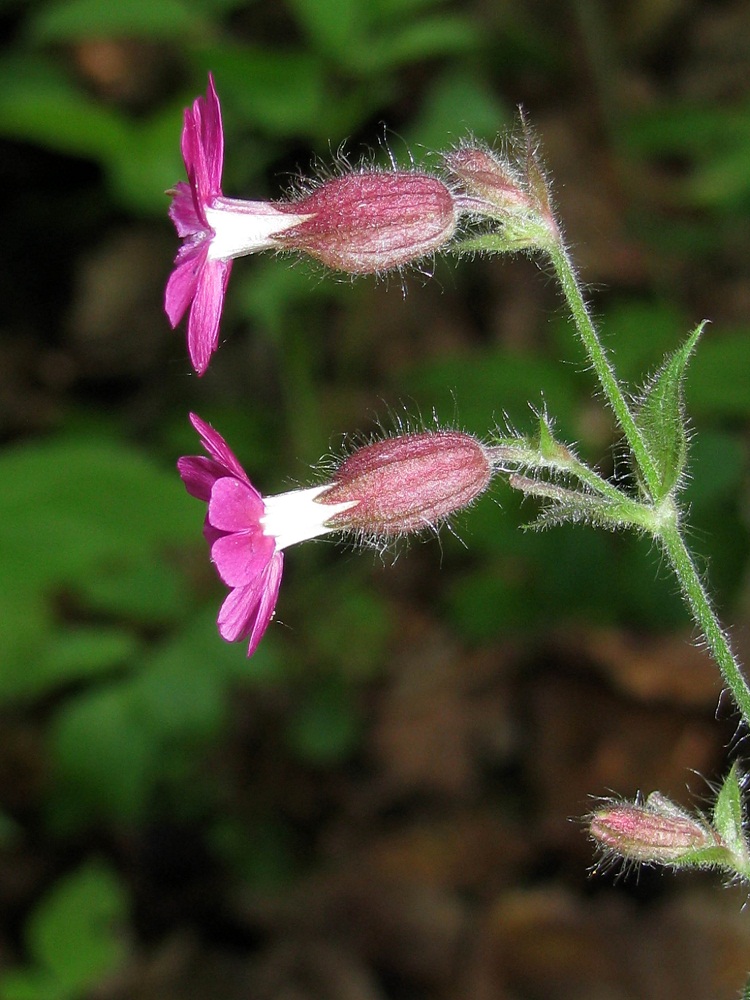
[(376, 805)]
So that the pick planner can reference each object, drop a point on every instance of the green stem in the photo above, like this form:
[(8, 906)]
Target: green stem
[(571, 288), (519, 453), (667, 527), (697, 599)]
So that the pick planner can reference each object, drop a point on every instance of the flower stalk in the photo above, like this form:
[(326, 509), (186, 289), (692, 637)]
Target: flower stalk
[(571, 289), (697, 599), (662, 520)]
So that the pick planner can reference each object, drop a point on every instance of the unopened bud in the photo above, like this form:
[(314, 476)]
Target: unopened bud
[(370, 221), (407, 483), (654, 831), (485, 175)]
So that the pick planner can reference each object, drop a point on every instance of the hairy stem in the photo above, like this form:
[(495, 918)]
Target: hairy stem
[(571, 288), (665, 528), (698, 601)]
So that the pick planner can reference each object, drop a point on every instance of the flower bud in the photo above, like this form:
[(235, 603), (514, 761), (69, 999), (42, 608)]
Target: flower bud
[(407, 483), (486, 176), (371, 221), (654, 831)]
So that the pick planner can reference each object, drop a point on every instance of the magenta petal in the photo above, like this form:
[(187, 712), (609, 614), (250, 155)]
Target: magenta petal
[(203, 146), (205, 313), (192, 154), (184, 279), (182, 211), (237, 614), (241, 557), (218, 449), (235, 506), (199, 474), (248, 610), (212, 138), (268, 601)]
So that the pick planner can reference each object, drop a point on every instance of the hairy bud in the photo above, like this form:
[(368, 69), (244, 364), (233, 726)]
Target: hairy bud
[(371, 221), (484, 175), (407, 483), (655, 831)]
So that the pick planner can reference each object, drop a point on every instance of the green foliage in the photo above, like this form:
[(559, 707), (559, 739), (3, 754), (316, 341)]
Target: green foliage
[(495, 384), (72, 20), (369, 39), (282, 92), (662, 419), (324, 727), (343, 76), (150, 727), (107, 600), (62, 513), (438, 124), (714, 140), (729, 819), (719, 376), (40, 103), (74, 937)]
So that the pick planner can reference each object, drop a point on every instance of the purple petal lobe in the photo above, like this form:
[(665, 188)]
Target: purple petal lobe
[(199, 474), (219, 450), (205, 312), (242, 557), (183, 281), (196, 281), (237, 614), (182, 211), (235, 506), (268, 600), (248, 610), (212, 137)]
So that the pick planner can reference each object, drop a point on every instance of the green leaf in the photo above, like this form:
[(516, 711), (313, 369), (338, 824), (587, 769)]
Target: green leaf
[(75, 19), (140, 173), (106, 759), (728, 813), (714, 141), (423, 39), (638, 331), (282, 92), (359, 611), (459, 102), (73, 512), (141, 589), (661, 417), (332, 26), (116, 745), (74, 936), (718, 461), (38, 103), (29, 984), (76, 654)]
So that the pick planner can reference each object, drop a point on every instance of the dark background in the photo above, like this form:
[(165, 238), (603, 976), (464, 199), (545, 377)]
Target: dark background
[(383, 803)]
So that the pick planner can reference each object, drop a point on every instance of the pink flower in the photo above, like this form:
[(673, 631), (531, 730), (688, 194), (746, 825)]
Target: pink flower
[(247, 533), (215, 230), (364, 222), (384, 489)]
